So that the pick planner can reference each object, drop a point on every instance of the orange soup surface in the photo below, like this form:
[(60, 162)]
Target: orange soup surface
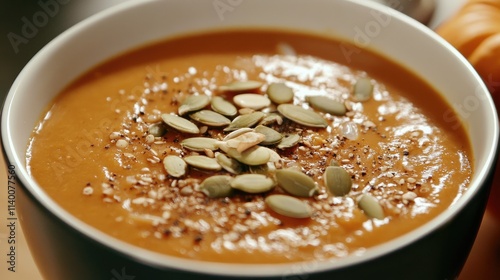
[(133, 145)]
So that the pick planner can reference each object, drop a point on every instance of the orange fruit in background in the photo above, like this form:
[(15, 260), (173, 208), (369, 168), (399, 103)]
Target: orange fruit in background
[(475, 31)]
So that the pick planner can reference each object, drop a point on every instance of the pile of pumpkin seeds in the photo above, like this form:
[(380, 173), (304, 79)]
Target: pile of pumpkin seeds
[(247, 154)]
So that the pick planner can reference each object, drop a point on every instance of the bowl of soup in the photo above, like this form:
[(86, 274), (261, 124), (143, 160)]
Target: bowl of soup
[(249, 139)]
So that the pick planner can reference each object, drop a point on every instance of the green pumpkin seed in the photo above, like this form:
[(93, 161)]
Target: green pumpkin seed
[(289, 141), (237, 133), (337, 180), (327, 105), (371, 206), (255, 155), (175, 166), (193, 103), (271, 136), (288, 206), (296, 183), (280, 93), (302, 116), (217, 186), (363, 89), (222, 106), (229, 164), (247, 120), (240, 86), (252, 183), (251, 100), (200, 144), (157, 130), (210, 118), (180, 124), (271, 119), (203, 162), (273, 155)]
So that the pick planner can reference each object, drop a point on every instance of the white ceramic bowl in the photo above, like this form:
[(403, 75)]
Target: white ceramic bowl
[(66, 248)]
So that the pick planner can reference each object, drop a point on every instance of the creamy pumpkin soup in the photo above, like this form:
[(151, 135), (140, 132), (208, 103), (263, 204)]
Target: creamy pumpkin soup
[(251, 146)]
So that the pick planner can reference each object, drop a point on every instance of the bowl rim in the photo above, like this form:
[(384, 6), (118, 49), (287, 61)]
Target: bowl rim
[(236, 269)]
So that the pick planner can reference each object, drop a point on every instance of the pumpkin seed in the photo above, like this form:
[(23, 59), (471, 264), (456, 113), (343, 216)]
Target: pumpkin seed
[(289, 141), (193, 103), (237, 133), (229, 164), (271, 136), (280, 93), (245, 141), (302, 116), (203, 162), (363, 89), (337, 180), (371, 206), (327, 105), (157, 130), (296, 183), (247, 120), (273, 155), (288, 206), (255, 155), (252, 183), (180, 124), (240, 86), (251, 100), (217, 186), (222, 106), (210, 118), (175, 166), (271, 119), (199, 144)]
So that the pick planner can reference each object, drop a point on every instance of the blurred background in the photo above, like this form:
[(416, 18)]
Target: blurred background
[(27, 25)]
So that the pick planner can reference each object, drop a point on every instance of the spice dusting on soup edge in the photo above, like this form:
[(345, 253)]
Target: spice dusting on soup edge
[(251, 146)]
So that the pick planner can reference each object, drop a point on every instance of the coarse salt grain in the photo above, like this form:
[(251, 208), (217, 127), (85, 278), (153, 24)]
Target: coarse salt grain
[(128, 155), (409, 196), (88, 190), (147, 178), (114, 135), (121, 143), (131, 180), (150, 138), (157, 235), (107, 191), (186, 190)]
